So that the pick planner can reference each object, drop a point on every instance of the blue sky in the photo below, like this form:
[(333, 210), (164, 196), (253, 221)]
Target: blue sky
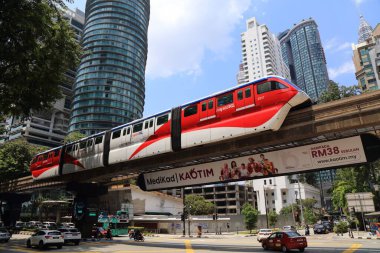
[(195, 50)]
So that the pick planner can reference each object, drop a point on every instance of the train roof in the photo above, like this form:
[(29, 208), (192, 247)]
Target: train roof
[(233, 88)]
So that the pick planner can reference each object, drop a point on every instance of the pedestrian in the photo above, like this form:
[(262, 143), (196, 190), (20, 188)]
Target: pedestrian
[(109, 234)]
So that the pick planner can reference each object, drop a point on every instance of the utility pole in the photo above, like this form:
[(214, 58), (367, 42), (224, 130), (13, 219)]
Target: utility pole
[(183, 211), (299, 189), (266, 209)]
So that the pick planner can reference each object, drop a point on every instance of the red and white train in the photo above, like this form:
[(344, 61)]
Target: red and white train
[(261, 105)]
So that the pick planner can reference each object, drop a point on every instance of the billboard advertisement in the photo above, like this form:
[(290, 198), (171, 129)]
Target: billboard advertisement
[(328, 154)]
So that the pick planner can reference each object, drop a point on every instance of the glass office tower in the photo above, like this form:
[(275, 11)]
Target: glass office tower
[(110, 82), (302, 51)]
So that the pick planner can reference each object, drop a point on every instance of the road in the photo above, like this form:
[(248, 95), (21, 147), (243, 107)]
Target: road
[(177, 244)]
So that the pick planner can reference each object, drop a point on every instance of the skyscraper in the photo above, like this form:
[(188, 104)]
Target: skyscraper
[(261, 53), (366, 56), (110, 82), (303, 53)]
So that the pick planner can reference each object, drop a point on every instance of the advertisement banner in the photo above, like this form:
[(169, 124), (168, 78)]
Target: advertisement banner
[(293, 160)]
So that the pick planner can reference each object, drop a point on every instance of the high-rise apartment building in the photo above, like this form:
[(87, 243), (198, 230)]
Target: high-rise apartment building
[(303, 53), (110, 82), (49, 127), (366, 56), (261, 53)]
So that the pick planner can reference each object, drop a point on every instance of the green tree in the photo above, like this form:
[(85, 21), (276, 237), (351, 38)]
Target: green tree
[(15, 157), (336, 92), (73, 136), (309, 216), (197, 205), (250, 216), (37, 46), (288, 209), (272, 217), (309, 203), (350, 180)]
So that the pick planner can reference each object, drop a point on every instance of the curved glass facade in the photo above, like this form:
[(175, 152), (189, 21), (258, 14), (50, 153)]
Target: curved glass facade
[(110, 81), (302, 51)]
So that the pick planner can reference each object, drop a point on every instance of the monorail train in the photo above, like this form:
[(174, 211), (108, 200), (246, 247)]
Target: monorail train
[(261, 105)]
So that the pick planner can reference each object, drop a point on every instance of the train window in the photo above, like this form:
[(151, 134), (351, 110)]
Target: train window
[(248, 92), (162, 119), (116, 134), (98, 140), (210, 104), (191, 110), (269, 86), (89, 143), (137, 127), (129, 130), (146, 124), (56, 152), (225, 99), (240, 95), (151, 123), (124, 131), (82, 144), (204, 106), (69, 148)]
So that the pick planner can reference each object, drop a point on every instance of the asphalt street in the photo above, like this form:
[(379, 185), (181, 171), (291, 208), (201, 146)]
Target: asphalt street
[(212, 244)]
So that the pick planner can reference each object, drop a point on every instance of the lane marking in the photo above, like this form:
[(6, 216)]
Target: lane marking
[(189, 249), (353, 248)]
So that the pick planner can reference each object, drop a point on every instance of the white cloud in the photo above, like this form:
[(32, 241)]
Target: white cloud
[(358, 2), (182, 31), (347, 67), (334, 45)]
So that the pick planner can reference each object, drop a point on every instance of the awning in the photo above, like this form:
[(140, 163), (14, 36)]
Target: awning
[(372, 215)]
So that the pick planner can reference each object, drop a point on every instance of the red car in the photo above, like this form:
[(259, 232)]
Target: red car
[(285, 241)]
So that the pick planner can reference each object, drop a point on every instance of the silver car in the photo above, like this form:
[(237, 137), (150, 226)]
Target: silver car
[(4, 235)]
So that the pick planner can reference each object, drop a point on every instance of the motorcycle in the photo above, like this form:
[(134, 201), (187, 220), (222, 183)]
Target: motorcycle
[(138, 238)]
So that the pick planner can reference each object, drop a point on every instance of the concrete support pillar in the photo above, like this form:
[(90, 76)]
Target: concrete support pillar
[(12, 208), (86, 205)]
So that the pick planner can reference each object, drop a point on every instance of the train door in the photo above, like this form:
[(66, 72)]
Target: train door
[(244, 98), (207, 111), (190, 136)]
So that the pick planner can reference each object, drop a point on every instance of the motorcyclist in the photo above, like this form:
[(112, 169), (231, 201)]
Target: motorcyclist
[(138, 235)]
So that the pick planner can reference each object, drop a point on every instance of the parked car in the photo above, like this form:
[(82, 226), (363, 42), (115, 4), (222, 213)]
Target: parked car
[(45, 238), (50, 225), (68, 225), (4, 235), (20, 225), (71, 235), (285, 241), (328, 225), (320, 229), (263, 234), (289, 228)]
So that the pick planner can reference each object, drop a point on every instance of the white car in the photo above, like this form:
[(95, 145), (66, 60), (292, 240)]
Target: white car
[(263, 234), (4, 235), (46, 238), (68, 225), (71, 235)]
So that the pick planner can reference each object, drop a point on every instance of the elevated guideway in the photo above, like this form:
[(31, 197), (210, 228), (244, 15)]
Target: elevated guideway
[(334, 120)]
